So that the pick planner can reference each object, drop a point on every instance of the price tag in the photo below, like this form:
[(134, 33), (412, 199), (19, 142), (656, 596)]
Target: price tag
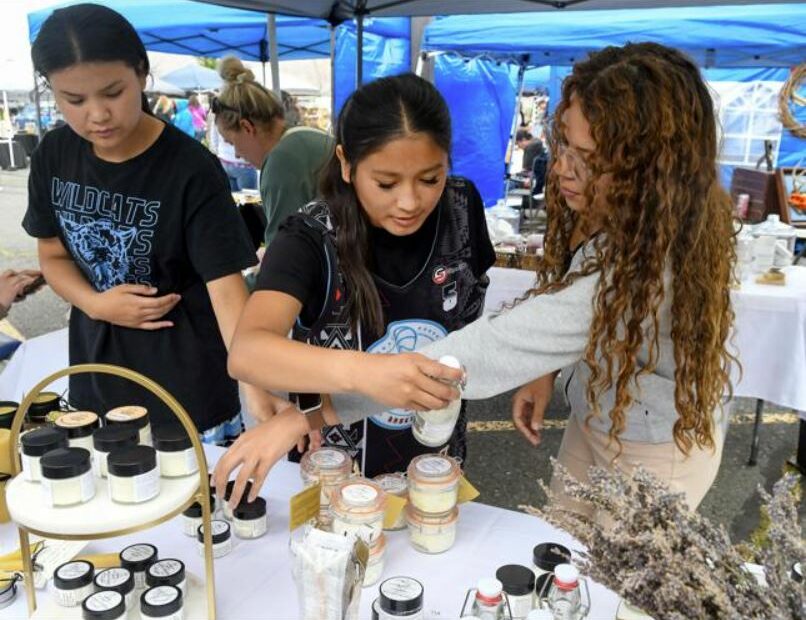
[(394, 506), (305, 506), (467, 492)]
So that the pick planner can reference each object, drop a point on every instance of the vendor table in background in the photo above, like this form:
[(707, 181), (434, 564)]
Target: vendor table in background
[(254, 581)]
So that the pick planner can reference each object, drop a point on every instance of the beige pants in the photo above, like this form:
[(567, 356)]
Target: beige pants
[(692, 474)]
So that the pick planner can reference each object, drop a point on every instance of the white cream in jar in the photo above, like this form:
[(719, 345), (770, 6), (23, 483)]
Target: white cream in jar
[(162, 603), (191, 519), (107, 439), (221, 535), (34, 444), (249, 519), (168, 572), (106, 605), (176, 454), (137, 558), (397, 485), (357, 507), (433, 483), (434, 428), (67, 477), (431, 533), (133, 474), (119, 580), (79, 426), (73, 582), (134, 416), (519, 584), (375, 563), (327, 466)]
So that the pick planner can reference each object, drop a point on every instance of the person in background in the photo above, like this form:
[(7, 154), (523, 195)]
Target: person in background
[(164, 109), (241, 174), (531, 147), (199, 115), (290, 159), (292, 114), (183, 119)]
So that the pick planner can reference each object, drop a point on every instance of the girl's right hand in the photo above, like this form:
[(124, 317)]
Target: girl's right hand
[(135, 306), (407, 381), (529, 406)]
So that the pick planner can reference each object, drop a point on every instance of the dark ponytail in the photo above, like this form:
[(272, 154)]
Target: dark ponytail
[(88, 33), (374, 115)]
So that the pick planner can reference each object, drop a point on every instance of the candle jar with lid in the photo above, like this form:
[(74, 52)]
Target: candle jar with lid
[(249, 518), (176, 454), (400, 598), (227, 510), (168, 572), (221, 535), (134, 416), (67, 477), (357, 507), (43, 404), (73, 582), (79, 426), (162, 603), (397, 485), (137, 558), (107, 439), (326, 466), (519, 584), (34, 444), (433, 483), (117, 580), (434, 428), (547, 556), (432, 533), (105, 605), (8, 409), (133, 475)]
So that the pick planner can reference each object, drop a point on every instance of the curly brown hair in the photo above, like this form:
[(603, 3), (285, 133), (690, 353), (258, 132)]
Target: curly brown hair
[(652, 119)]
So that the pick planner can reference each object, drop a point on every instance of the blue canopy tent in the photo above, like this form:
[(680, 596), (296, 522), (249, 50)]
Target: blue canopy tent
[(722, 37)]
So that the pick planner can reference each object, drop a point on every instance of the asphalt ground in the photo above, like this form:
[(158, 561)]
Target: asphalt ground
[(503, 466)]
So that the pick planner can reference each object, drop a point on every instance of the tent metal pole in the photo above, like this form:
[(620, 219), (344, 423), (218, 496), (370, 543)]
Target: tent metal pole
[(359, 50), (7, 118), (333, 77), (38, 104), (513, 131), (273, 59)]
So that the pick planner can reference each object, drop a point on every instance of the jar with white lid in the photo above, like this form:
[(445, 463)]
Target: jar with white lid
[(119, 580), (106, 605), (433, 483), (519, 584), (227, 509), (222, 538), (169, 572), (432, 533), (137, 558), (434, 428), (79, 426), (249, 519), (107, 439), (397, 485), (163, 602), (327, 466), (375, 563), (134, 416), (176, 454), (400, 597), (357, 507), (67, 477), (73, 582), (134, 475), (34, 444)]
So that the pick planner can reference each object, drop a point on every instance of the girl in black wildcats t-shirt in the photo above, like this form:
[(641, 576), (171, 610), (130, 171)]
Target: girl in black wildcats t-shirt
[(136, 229), (393, 256)]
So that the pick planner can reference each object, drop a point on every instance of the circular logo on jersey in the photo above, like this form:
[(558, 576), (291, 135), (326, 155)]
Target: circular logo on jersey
[(440, 275), (404, 337)]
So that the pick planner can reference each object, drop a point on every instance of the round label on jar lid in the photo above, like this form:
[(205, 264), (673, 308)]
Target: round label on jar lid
[(359, 494), (219, 527), (76, 419), (392, 483), (112, 577), (165, 568), (434, 466), (328, 458), (124, 414), (73, 570), (161, 595), (103, 601), (136, 553), (401, 589)]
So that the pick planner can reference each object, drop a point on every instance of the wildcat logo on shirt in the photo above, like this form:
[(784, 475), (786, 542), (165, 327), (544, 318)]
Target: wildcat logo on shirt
[(404, 337), (109, 235)]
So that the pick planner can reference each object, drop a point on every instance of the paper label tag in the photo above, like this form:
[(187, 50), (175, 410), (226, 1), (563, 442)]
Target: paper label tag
[(305, 506), (394, 506), (467, 492), (54, 554)]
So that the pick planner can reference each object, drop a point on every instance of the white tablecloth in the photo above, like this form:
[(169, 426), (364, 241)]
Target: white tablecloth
[(254, 581)]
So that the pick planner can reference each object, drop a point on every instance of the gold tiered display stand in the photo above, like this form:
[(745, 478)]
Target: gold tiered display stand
[(102, 518)]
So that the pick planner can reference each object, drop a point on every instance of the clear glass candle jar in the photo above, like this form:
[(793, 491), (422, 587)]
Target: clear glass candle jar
[(168, 572), (433, 483), (357, 507), (162, 603), (137, 558), (326, 466), (117, 580), (79, 426), (134, 416), (222, 538), (400, 597), (249, 519), (106, 605), (73, 582), (375, 563), (176, 454), (107, 439), (519, 584), (397, 485), (434, 428), (431, 533), (34, 444), (67, 476), (133, 474)]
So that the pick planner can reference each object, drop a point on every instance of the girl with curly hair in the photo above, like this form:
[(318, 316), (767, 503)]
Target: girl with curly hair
[(631, 300)]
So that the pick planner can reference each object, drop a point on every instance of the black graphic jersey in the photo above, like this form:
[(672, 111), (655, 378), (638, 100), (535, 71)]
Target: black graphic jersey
[(440, 290), (164, 218)]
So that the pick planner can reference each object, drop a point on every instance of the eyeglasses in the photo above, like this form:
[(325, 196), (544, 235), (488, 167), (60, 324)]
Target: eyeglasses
[(575, 159), (217, 106)]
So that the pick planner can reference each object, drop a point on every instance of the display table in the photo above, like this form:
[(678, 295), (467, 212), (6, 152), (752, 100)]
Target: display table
[(254, 581)]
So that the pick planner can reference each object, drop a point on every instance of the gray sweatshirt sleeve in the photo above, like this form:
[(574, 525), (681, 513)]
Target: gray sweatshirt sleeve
[(503, 351)]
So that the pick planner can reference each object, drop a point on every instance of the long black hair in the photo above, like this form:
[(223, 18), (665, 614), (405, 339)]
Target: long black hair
[(88, 33), (377, 113)]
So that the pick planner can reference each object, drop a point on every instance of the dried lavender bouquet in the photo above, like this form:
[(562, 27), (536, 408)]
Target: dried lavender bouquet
[(671, 561)]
